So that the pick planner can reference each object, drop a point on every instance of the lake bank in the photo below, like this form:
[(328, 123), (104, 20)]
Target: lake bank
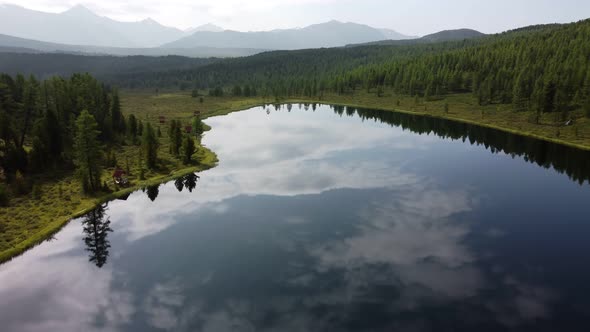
[(319, 206), (34, 220), (462, 108), (89, 203)]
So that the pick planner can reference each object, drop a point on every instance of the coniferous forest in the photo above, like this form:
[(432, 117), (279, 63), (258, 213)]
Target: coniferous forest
[(380, 173), (53, 117), (56, 124), (542, 68)]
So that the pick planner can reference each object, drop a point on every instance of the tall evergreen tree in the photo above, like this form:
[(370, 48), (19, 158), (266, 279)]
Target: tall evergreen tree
[(188, 148), (149, 145), (87, 151), (118, 121)]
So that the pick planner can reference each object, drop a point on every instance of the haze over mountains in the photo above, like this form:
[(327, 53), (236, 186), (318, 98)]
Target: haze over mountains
[(23, 45), (330, 34), (80, 30), (80, 26)]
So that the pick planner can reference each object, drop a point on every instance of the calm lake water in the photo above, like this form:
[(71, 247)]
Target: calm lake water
[(328, 219)]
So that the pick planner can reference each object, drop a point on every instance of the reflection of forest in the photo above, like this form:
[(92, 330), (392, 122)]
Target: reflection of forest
[(188, 181), (152, 192), (573, 162), (96, 229)]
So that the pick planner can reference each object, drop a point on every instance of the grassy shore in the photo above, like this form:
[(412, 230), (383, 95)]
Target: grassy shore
[(462, 107), (30, 220)]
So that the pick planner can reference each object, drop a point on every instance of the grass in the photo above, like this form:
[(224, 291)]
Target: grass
[(462, 107), (29, 221)]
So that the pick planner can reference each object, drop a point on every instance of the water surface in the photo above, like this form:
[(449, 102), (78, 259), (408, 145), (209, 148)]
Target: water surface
[(328, 219)]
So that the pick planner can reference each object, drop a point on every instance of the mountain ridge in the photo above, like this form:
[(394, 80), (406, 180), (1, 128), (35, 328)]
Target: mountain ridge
[(440, 36), (328, 34), (80, 26), (11, 44)]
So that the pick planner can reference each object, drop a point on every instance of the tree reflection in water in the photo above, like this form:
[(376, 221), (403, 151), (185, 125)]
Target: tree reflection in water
[(96, 227), (153, 192), (190, 181), (567, 160), (179, 184)]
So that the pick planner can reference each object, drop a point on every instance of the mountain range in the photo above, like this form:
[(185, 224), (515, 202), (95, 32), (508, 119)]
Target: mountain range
[(22, 45), (330, 34), (80, 27)]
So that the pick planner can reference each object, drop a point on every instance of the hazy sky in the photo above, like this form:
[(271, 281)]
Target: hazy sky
[(414, 17)]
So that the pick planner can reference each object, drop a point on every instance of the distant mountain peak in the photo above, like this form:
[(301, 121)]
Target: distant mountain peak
[(209, 27), (79, 25), (79, 10), (151, 21)]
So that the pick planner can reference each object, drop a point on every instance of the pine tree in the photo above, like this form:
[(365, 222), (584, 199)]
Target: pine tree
[(30, 106), (117, 119), (549, 97), (188, 148), (197, 126), (149, 145), (132, 126), (519, 98), (175, 137), (87, 151)]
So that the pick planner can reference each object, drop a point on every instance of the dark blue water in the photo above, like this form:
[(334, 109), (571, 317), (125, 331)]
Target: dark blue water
[(328, 220)]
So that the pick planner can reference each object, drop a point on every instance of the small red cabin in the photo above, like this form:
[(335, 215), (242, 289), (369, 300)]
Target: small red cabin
[(120, 177), (162, 119)]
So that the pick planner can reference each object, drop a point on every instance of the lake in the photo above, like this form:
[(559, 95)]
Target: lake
[(327, 218)]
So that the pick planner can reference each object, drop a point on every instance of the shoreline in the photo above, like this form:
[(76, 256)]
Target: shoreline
[(57, 225), (54, 227), (409, 112)]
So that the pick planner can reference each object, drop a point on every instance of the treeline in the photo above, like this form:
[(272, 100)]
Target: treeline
[(102, 67), (280, 71), (538, 68), (61, 125), (573, 162), (545, 69)]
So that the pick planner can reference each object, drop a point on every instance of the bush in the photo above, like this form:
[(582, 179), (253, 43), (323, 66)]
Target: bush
[(4, 197)]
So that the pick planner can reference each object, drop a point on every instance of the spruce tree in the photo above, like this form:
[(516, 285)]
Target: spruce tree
[(188, 148), (87, 152), (149, 146)]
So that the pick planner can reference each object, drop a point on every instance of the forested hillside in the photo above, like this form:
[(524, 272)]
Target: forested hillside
[(55, 64), (542, 68)]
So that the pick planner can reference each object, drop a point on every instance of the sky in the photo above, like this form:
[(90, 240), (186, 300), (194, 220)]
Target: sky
[(411, 17)]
